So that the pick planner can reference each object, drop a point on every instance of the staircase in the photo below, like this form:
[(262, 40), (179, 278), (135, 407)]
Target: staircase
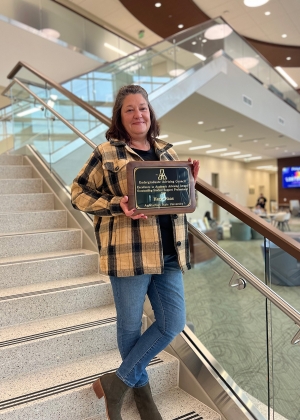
[(57, 317)]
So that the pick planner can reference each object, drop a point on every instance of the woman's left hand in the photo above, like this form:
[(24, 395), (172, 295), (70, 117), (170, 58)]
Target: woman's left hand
[(195, 168)]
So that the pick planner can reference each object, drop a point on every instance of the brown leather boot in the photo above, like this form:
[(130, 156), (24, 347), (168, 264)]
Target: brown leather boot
[(113, 390), (145, 404)]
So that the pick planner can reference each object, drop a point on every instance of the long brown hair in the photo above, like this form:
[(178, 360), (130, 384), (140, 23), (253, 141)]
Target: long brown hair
[(117, 130)]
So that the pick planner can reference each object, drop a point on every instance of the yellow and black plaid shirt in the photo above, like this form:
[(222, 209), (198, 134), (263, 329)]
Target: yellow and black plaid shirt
[(127, 247)]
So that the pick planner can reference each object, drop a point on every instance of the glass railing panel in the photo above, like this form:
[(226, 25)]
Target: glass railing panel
[(6, 137), (230, 323), (238, 239), (66, 27), (62, 149), (284, 269), (69, 110), (285, 365)]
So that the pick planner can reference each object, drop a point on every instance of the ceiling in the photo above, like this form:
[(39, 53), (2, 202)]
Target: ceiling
[(128, 17), (130, 20)]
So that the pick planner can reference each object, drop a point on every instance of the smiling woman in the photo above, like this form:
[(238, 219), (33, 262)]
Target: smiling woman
[(143, 255)]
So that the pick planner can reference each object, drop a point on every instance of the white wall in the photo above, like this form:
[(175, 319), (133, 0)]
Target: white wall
[(234, 180)]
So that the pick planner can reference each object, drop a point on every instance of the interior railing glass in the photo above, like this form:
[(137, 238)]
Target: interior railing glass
[(253, 340), (49, 19), (157, 65), (241, 327)]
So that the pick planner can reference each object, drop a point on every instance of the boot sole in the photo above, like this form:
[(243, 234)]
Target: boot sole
[(97, 387)]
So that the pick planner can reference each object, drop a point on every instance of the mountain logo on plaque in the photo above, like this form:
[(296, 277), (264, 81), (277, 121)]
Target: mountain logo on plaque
[(163, 187)]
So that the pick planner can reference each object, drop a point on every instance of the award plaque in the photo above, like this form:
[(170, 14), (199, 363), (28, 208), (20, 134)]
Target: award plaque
[(162, 187)]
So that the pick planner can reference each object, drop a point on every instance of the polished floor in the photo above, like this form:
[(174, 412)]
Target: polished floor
[(233, 325)]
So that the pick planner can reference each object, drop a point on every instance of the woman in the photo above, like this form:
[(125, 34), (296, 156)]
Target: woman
[(142, 255)]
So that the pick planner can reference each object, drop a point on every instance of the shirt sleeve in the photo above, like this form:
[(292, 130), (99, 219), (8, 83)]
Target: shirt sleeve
[(87, 193)]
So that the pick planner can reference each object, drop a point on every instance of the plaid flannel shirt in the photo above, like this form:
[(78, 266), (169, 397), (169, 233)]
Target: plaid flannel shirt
[(127, 247)]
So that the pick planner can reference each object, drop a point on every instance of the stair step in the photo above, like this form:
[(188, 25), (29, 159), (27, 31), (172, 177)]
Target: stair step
[(25, 202), (41, 304), (33, 243), (64, 391), (29, 331), (11, 159), (63, 345), (22, 186), (44, 267), (174, 404), (15, 171), (32, 221)]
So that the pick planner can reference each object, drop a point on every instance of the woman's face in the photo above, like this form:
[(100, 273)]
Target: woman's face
[(135, 116)]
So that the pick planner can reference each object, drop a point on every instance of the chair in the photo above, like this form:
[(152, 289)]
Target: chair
[(295, 207), (239, 231), (281, 220)]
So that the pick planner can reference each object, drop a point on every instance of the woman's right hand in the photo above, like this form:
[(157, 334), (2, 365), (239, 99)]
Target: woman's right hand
[(130, 213)]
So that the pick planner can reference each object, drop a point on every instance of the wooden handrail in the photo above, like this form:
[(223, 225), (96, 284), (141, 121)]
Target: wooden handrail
[(86, 106), (290, 245), (286, 243)]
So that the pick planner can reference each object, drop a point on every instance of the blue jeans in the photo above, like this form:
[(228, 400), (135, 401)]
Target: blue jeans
[(166, 294)]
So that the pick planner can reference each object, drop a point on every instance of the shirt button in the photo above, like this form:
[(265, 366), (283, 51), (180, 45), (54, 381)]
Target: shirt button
[(116, 168), (175, 216), (178, 243)]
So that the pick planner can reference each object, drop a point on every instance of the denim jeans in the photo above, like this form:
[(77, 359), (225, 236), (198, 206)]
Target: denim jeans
[(166, 294)]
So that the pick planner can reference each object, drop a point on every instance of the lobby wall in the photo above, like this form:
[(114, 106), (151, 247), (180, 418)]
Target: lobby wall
[(235, 180)]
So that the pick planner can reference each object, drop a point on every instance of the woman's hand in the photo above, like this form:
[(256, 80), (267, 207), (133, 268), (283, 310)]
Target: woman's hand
[(195, 168), (130, 213)]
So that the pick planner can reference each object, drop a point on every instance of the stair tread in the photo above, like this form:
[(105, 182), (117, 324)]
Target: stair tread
[(39, 231), (90, 367), (45, 256), (172, 404), (49, 286), (56, 323)]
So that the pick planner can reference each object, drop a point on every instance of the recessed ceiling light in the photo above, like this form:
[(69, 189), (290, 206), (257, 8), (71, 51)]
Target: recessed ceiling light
[(254, 158), (286, 76), (288, 58), (205, 146), (204, 40), (50, 32), (283, 35), (176, 72), (240, 135), (200, 56), (200, 122), (241, 156), (223, 129), (164, 136), (218, 31), (177, 143), (267, 13), (247, 62), (194, 43), (115, 49), (255, 3), (230, 153), (180, 26), (216, 150), (157, 4), (255, 141)]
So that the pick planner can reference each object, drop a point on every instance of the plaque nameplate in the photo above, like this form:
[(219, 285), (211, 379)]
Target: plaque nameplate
[(160, 187)]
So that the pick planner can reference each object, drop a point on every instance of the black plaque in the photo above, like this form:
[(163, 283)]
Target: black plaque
[(161, 187)]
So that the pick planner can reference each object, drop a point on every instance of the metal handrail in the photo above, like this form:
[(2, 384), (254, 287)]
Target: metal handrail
[(247, 275), (235, 265), (71, 126)]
